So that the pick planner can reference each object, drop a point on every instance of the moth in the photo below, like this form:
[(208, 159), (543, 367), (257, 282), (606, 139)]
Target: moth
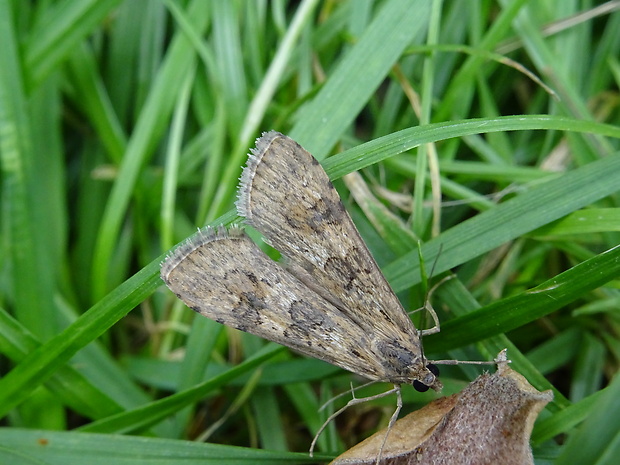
[(326, 298)]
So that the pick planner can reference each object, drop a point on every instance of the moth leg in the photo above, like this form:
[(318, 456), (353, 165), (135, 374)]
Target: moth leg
[(399, 406), (355, 401), (431, 311), (342, 394)]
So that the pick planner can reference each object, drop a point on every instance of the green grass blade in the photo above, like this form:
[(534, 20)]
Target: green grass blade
[(145, 416), (597, 442), (329, 114), (19, 446), (520, 215), (512, 312), (40, 364)]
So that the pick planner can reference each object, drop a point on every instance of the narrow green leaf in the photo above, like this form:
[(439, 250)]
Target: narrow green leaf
[(22, 446), (597, 440), (359, 73), (145, 416), (512, 312)]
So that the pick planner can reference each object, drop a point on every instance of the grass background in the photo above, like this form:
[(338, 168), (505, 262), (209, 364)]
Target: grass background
[(123, 126)]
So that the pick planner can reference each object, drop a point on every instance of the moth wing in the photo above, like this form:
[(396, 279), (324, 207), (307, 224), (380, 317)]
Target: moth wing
[(225, 276), (287, 196)]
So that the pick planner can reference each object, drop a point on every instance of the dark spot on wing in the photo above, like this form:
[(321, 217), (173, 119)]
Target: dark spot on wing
[(249, 311), (293, 222), (304, 316), (342, 267)]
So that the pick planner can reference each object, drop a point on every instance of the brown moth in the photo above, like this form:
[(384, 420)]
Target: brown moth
[(326, 299)]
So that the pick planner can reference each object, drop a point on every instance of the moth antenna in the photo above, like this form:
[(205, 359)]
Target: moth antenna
[(500, 360)]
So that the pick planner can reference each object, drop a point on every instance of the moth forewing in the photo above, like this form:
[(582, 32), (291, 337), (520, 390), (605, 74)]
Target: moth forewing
[(287, 196)]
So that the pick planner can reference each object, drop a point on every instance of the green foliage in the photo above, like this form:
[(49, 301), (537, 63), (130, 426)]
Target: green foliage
[(124, 125)]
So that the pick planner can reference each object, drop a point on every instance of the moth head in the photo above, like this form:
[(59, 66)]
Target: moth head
[(428, 379)]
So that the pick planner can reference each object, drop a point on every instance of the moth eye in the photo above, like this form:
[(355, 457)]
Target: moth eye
[(419, 386), (433, 369)]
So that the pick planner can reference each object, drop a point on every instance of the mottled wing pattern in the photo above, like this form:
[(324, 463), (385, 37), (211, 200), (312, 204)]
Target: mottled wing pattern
[(223, 275), (287, 196)]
